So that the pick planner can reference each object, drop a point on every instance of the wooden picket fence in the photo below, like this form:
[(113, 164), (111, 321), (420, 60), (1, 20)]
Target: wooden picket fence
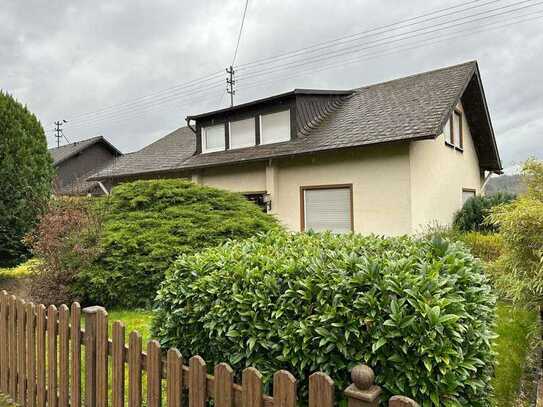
[(42, 350)]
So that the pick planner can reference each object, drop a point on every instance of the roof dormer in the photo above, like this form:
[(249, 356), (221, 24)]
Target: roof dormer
[(277, 119)]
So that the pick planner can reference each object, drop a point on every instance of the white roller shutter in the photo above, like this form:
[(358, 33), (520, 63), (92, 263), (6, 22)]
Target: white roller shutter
[(242, 133), (275, 127), (328, 209)]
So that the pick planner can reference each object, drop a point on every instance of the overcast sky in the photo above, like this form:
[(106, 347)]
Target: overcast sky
[(116, 68)]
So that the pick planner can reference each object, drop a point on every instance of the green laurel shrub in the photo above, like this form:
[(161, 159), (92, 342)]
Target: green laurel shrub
[(419, 312)]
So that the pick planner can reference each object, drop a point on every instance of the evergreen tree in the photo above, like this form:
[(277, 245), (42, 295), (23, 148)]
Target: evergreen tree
[(26, 175)]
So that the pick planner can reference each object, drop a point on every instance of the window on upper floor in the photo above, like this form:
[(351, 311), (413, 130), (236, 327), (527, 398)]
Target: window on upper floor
[(453, 130), (275, 127), (213, 138), (242, 133)]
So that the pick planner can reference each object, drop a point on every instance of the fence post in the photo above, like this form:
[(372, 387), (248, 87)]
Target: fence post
[(401, 401), (362, 392), (91, 316)]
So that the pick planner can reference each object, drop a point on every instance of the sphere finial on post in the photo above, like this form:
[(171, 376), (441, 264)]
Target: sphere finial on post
[(362, 392)]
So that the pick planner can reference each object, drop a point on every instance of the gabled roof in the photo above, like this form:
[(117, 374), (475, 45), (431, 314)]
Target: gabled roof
[(62, 153), (165, 154), (406, 109)]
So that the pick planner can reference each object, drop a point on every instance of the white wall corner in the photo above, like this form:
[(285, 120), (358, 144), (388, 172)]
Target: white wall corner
[(197, 178), (272, 184)]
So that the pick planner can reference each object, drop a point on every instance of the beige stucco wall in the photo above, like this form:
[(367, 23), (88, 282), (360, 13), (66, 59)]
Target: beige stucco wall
[(438, 175), (240, 178), (397, 188), (379, 175)]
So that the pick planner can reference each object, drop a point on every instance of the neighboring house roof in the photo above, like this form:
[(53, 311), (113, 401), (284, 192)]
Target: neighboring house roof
[(406, 109), (62, 153), (165, 154)]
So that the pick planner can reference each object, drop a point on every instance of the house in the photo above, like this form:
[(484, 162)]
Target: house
[(389, 158), (75, 162)]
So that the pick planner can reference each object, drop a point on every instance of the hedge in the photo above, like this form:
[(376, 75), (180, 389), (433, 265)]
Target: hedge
[(419, 312), (148, 224)]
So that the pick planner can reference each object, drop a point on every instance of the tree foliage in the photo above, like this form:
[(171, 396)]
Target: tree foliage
[(471, 218), (148, 224), (419, 312), (26, 174), (519, 272)]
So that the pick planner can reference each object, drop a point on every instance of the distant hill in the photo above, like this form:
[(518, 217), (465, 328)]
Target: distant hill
[(505, 183)]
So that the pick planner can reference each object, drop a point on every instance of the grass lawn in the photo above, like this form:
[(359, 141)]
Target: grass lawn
[(515, 327), (134, 320)]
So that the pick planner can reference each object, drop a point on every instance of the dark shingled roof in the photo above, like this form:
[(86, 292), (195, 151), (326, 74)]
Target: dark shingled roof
[(406, 109), (164, 155), (62, 153)]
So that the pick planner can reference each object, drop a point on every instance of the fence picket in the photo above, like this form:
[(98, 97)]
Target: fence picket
[(284, 389), (40, 355), (4, 346), (251, 384), (12, 354), (31, 354), (154, 369), (75, 339), (224, 378), (321, 390), (36, 345), (134, 369), (52, 373), (197, 382), (174, 376), (101, 358), (117, 369), (21, 353), (63, 356)]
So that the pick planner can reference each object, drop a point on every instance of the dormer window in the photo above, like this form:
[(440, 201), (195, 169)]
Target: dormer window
[(275, 127), (213, 138), (242, 133)]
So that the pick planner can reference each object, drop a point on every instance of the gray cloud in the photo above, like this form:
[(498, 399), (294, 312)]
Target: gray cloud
[(65, 58)]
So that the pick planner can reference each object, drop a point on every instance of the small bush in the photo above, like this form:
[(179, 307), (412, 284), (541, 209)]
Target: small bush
[(419, 312), (471, 218), (150, 223), (66, 241), (518, 274), (487, 247)]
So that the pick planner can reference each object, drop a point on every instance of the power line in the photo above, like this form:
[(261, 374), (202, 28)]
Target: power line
[(240, 32), (129, 113), (372, 30), (365, 57), (394, 38), (230, 81)]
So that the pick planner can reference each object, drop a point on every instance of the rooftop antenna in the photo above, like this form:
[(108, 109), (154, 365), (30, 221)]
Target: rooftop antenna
[(230, 82), (59, 132)]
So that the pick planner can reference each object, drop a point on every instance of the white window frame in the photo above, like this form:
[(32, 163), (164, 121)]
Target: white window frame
[(204, 139), (230, 147), (289, 137), (471, 191), (303, 209)]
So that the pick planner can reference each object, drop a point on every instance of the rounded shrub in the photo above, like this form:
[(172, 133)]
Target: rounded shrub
[(147, 224), (419, 312), (471, 218)]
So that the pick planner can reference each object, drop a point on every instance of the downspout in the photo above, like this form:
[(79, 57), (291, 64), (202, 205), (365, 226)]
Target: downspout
[(103, 188), (487, 178)]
